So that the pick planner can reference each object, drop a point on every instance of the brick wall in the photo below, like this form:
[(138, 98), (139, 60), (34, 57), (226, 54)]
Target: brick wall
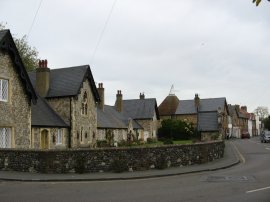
[(100, 160)]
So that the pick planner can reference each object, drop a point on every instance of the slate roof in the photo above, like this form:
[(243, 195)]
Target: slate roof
[(208, 121), (140, 108), (168, 105), (206, 105), (43, 115), (66, 82), (7, 44), (111, 118)]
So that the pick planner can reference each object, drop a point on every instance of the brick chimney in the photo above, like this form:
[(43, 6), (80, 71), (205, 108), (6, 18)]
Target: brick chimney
[(142, 96), (237, 107), (244, 108), (42, 78), (197, 101), (119, 101), (101, 95)]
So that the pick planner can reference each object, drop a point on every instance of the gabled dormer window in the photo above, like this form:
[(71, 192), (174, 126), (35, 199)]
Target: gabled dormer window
[(3, 90)]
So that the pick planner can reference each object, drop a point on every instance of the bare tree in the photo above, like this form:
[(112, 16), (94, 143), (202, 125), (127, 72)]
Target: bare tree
[(262, 112)]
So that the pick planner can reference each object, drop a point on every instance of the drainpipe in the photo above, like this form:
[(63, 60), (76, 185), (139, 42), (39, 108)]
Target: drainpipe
[(70, 123)]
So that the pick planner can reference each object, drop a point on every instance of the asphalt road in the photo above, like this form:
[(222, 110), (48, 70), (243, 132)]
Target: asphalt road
[(248, 182)]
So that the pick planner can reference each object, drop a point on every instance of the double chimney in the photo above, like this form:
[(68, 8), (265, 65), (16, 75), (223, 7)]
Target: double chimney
[(119, 101), (42, 78), (101, 95), (119, 98), (197, 101)]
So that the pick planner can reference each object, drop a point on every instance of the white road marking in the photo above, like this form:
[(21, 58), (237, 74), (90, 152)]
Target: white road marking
[(267, 148), (255, 190)]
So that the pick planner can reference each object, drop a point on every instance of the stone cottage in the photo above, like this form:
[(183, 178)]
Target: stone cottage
[(143, 110), (16, 95), (113, 125), (72, 96)]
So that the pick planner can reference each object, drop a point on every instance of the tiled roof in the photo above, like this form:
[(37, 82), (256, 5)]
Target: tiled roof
[(206, 105), (7, 44), (168, 105), (68, 81), (111, 118), (208, 121), (43, 115), (140, 108)]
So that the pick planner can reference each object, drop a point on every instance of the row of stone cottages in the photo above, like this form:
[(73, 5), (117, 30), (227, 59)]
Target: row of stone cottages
[(62, 108)]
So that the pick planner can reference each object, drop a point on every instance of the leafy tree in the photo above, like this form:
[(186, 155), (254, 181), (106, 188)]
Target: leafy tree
[(176, 130), (29, 55), (261, 112), (257, 2)]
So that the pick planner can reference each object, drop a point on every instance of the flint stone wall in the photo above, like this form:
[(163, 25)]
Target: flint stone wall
[(100, 160)]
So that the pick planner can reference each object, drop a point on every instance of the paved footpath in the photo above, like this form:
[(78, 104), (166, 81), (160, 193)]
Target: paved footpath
[(231, 158)]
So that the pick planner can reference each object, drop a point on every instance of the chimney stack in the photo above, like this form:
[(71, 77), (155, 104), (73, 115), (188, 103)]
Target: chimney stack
[(119, 101), (244, 108), (142, 96), (42, 78), (197, 101), (101, 95)]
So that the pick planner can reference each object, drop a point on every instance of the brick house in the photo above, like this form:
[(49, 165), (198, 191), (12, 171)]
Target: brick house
[(143, 110), (247, 121), (16, 95), (72, 96), (113, 125)]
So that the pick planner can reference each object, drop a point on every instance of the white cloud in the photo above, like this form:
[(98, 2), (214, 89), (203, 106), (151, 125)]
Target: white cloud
[(214, 48)]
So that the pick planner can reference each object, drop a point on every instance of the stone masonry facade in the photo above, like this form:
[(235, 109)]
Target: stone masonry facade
[(16, 113), (101, 160), (52, 142)]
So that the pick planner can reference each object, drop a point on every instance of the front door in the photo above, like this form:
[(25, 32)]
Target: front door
[(44, 142)]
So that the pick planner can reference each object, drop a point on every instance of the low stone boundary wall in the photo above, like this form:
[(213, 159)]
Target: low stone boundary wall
[(102, 160)]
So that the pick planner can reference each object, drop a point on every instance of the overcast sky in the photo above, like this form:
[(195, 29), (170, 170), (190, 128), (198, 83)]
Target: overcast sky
[(213, 48)]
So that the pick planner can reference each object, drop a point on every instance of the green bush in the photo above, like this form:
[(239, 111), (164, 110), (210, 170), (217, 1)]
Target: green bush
[(168, 141), (102, 143), (151, 140), (176, 129)]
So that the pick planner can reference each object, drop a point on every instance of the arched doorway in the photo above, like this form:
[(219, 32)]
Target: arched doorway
[(44, 141)]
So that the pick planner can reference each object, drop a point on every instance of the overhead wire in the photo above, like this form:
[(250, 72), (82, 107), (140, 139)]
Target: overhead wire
[(34, 19), (102, 32)]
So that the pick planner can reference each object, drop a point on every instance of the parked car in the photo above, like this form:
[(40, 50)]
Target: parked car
[(245, 135), (265, 137)]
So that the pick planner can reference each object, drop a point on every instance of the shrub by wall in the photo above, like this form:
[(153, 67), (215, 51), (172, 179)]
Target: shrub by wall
[(109, 159)]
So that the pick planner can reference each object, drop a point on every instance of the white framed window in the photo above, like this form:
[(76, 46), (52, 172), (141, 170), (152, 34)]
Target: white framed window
[(59, 138), (5, 137), (3, 90)]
